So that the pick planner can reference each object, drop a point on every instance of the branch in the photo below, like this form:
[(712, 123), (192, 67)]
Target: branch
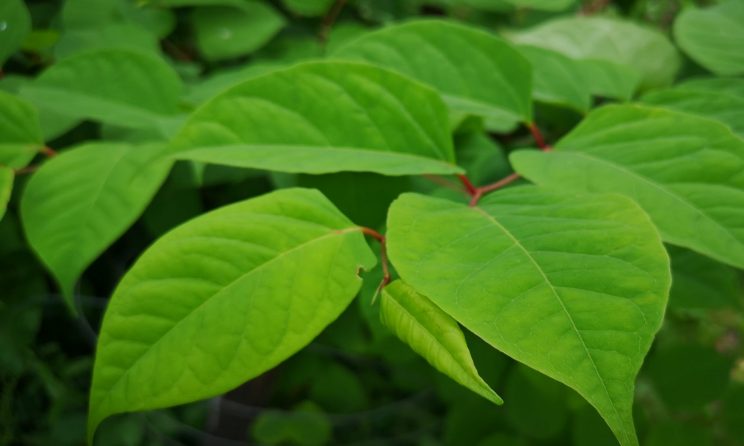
[(538, 137), (383, 257), (330, 19)]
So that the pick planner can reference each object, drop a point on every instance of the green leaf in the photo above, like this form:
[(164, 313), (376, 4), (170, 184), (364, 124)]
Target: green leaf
[(224, 298), (716, 98), (15, 25), (701, 283), (82, 200), (6, 187), (679, 433), (714, 37), (115, 35), (323, 117), (20, 134), (476, 72), (645, 50), (115, 86), (609, 79), (502, 5), (433, 334), (573, 286), (686, 172), (309, 8), (225, 32), (307, 425), (557, 79)]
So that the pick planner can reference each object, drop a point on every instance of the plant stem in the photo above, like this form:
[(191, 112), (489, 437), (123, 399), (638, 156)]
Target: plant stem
[(469, 186), (444, 182), (330, 19), (538, 137), (383, 255), (48, 151)]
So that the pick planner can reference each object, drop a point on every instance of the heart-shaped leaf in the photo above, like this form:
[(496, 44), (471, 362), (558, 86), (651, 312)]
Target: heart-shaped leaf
[(224, 298), (687, 172), (574, 286)]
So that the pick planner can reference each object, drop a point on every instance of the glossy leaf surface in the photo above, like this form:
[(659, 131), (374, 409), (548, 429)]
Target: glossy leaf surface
[(645, 50), (433, 334), (378, 121), (223, 298), (686, 172), (82, 200), (586, 272)]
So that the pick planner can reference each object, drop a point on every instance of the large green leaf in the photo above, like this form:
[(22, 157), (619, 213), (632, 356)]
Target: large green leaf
[(557, 79), (716, 98), (223, 298), (323, 117), (686, 172), (477, 72), (645, 50), (224, 32), (6, 187), (609, 79), (433, 334), (714, 37), (20, 134), (573, 286), (115, 86), (15, 24), (82, 200)]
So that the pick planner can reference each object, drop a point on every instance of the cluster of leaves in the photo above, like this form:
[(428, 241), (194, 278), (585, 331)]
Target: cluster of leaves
[(317, 126)]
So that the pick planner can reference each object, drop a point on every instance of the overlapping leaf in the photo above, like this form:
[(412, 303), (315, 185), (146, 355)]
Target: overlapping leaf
[(224, 32), (477, 72), (15, 24), (433, 334), (714, 37), (687, 172), (574, 286), (223, 298), (6, 187), (20, 134), (115, 86), (716, 98), (323, 117), (557, 79), (79, 202), (646, 51), (701, 283)]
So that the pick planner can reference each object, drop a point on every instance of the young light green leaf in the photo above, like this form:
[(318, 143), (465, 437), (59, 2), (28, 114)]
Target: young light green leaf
[(645, 50), (20, 134), (609, 79), (115, 86), (557, 79), (6, 187), (587, 272), (714, 37), (687, 172), (82, 200), (224, 298), (477, 72), (716, 98), (225, 32), (323, 117), (15, 24), (433, 334)]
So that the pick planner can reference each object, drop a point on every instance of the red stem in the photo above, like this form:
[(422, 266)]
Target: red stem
[(538, 137), (383, 255), (48, 151), (330, 19), (436, 179), (469, 186)]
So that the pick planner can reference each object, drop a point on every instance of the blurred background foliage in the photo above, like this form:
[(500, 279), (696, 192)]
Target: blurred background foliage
[(356, 384)]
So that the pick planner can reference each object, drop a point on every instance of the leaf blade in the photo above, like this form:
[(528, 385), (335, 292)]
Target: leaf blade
[(500, 253), (433, 334), (199, 335)]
